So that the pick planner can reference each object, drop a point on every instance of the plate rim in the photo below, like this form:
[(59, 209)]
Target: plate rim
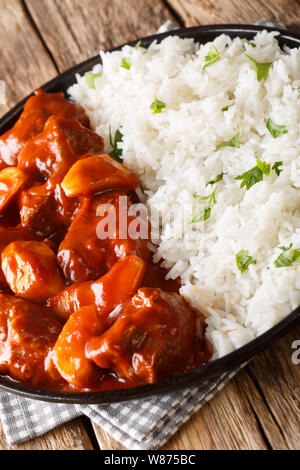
[(206, 372)]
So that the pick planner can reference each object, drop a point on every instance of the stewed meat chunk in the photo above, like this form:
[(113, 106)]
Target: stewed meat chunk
[(31, 122), (107, 293), (57, 147), (85, 254), (153, 338), (28, 333)]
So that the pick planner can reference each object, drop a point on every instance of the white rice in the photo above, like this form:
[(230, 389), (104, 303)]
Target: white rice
[(174, 154)]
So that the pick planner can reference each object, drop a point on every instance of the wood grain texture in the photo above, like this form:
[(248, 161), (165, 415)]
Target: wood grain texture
[(25, 65), (196, 12), (75, 30), (106, 442), (268, 426), (278, 381), (226, 422), (70, 436)]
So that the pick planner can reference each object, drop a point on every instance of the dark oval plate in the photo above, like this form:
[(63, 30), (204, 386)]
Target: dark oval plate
[(214, 369)]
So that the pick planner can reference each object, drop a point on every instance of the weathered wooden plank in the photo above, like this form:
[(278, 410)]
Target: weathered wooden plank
[(226, 422), (106, 442), (271, 430), (75, 30), (195, 12), (70, 436), (278, 381), (25, 65)]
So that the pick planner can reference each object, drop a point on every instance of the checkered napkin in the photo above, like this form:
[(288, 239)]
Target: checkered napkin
[(137, 425)]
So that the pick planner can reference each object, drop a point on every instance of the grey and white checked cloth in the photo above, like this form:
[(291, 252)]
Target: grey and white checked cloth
[(137, 425)]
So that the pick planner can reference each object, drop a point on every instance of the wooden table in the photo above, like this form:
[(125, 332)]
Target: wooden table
[(259, 409)]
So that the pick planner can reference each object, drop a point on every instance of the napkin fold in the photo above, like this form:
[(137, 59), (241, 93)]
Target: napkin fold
[(138, 424)]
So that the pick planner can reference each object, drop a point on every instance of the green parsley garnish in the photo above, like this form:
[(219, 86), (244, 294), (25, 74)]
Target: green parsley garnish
[(138, 44), (276, 168), (250, 177), (116, 153), (157, 106), (217, 178), (211, 198), (227, 107), (243, 260), (262, 69), (126, 63), (288, 257), (264, 167), (250, 43), (234, 142), (256, 174), (90, 78), (212, 56), (200, 216), (275, 129), (206, 212)]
